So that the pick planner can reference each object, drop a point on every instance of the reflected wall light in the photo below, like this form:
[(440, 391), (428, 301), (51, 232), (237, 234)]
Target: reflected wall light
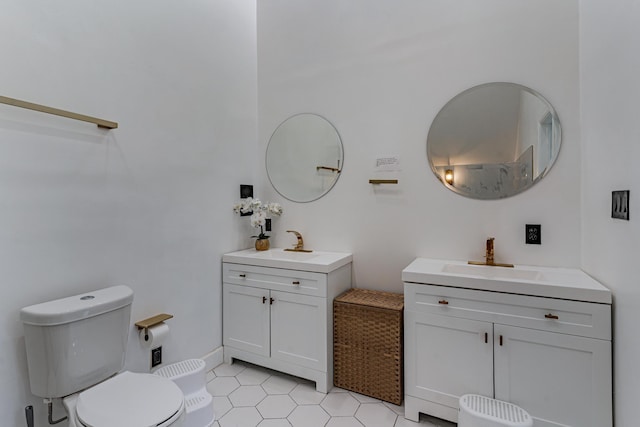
[(448, 176)]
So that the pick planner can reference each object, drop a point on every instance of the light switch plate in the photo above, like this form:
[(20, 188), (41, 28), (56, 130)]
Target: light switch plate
[(620, 204), (246, 191)]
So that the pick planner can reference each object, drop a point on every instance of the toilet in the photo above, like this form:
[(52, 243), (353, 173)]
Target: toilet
[(75, 351)]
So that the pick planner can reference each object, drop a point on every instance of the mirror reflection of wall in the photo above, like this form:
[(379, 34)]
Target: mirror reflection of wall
[(493, 141), (304, 157)]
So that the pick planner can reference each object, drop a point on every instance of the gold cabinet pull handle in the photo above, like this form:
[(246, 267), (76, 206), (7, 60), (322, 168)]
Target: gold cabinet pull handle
[(551, 316), (443, 302), (296, 282)]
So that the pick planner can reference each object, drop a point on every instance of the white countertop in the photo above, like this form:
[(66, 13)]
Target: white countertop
[(564, 283), (316, 261)]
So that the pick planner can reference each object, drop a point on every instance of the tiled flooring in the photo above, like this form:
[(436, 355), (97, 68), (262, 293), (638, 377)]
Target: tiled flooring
[(246, 395)]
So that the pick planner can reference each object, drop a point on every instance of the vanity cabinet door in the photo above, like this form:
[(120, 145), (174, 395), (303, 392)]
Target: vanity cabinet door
[(299, 329), (446, 357), (561, 380), (246, 318)]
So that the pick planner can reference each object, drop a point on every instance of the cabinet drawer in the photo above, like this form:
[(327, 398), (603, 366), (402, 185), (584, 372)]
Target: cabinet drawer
[(548, 314), (294, 281)]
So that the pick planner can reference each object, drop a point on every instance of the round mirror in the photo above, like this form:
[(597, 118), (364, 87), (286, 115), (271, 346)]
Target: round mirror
[(493, 141), (304, 157)]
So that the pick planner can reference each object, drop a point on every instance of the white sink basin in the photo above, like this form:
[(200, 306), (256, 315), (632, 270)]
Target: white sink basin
[(493, 272), (566, 283), (280, 254), (316, 261)]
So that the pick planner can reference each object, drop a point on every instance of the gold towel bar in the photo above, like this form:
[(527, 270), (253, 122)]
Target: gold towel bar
[(106, 124), (383, 181)]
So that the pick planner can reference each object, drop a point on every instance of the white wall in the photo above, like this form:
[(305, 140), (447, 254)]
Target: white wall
[(147, 205), (380, 71), (609, 70)]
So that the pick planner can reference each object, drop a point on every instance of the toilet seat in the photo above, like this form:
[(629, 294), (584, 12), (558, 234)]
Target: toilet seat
[(131, 400)]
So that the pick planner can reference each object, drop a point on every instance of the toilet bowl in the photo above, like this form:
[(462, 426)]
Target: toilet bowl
[(127, 400)]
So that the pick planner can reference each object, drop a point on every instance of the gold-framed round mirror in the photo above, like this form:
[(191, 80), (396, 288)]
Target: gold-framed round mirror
[(494, 140)]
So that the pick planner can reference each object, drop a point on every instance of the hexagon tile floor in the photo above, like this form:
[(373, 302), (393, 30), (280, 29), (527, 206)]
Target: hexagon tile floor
[(246, 395)]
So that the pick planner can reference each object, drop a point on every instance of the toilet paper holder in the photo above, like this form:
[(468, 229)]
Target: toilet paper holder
[(152, 321)]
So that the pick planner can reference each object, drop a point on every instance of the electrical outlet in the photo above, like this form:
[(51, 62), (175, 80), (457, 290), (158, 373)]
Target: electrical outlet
[(156, 356), (533, 234), (267, 224), (620, 204)]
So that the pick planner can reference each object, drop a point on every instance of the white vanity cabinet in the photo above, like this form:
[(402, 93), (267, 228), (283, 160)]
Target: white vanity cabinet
[(550, 356), (282, 318)]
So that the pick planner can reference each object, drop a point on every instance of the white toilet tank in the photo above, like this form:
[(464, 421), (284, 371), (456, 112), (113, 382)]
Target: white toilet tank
[(75, 342)]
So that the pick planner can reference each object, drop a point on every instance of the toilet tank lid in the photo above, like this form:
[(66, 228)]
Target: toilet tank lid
[(77, 307)]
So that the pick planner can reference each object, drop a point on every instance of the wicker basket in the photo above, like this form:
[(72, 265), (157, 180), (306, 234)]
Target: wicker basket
[(367, 343)]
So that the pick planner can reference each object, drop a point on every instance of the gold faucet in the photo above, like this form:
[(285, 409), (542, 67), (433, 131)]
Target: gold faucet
[(489, 252), (298, 247), (489, 256)]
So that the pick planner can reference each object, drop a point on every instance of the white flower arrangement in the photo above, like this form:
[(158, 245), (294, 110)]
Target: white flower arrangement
[(260, 212)]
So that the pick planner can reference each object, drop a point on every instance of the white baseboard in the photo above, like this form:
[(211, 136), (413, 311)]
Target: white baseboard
[(213, 359)]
